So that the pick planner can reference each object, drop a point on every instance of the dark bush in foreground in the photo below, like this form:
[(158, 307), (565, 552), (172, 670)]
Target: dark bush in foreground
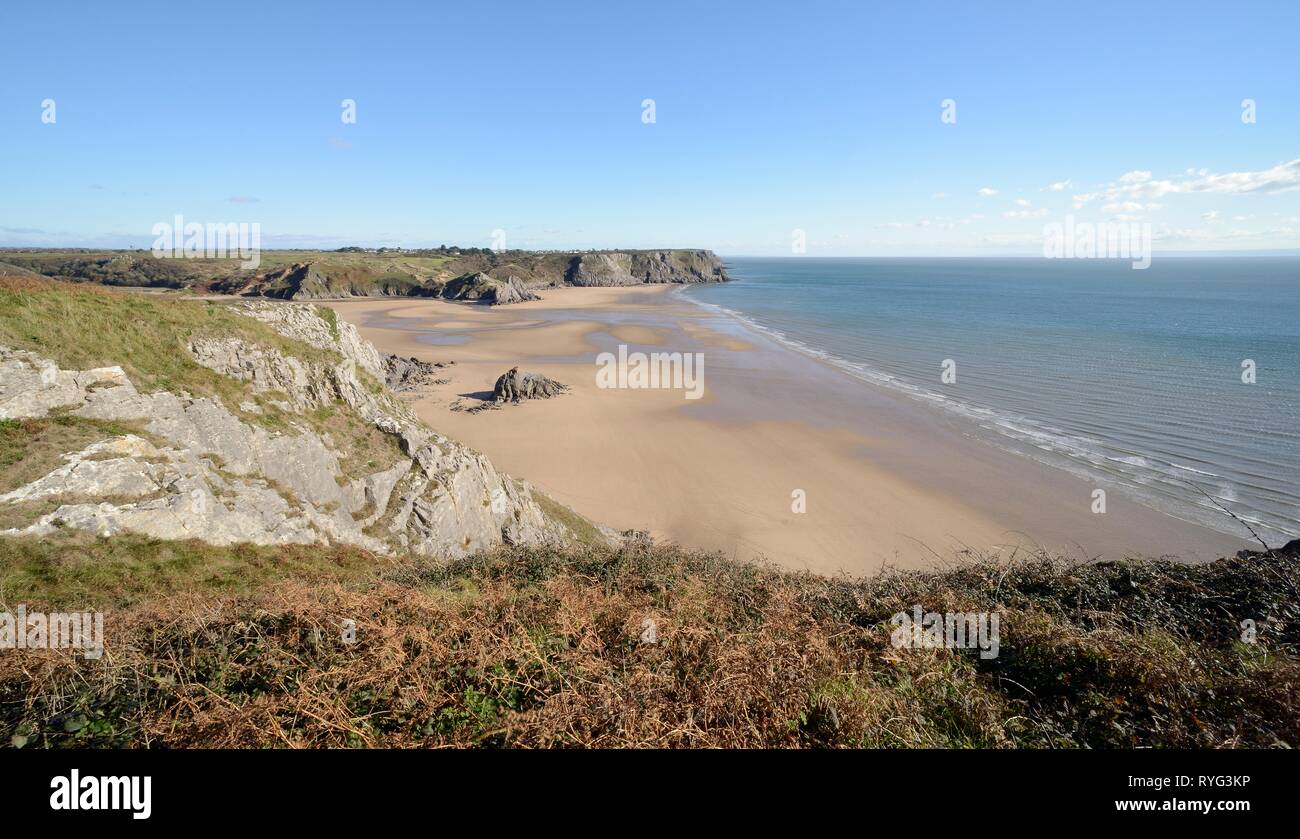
[(530, 647)]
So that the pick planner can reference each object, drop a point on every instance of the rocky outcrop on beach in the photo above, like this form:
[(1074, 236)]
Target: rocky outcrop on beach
[(267, 470), (514, 386), (481, 288), (406, 374)]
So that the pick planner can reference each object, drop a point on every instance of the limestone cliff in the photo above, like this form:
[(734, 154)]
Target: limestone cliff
[(486, 277), (482, 288), (271, 468), (321, 280), (470, 274), (636, 267)]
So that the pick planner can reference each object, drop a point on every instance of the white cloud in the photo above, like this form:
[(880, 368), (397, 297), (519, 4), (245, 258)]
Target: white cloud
[(1130, 207), (1284, 177), (1059, 186), (1285, 236), (1023, 202), (1210, 217), (1024, 214), (904, 225), (941, 195), (987, 191)]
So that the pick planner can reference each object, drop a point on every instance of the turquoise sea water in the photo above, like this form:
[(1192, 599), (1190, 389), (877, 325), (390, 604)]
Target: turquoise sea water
[(1089, 365)]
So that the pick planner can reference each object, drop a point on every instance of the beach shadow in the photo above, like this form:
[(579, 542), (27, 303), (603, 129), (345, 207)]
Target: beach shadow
[(481, 395)]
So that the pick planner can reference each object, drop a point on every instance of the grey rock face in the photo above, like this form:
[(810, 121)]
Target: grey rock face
[(512, 291), (317, 326), (637, 267), (31, 386), (405, 374), (112, 467), (603, 269), (215, 476), (513, 386), (485, 289)]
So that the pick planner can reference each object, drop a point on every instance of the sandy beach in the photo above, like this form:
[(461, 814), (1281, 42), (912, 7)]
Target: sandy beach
[(883, 479)]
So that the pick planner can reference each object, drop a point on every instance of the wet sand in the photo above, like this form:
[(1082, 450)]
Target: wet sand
[(886, 480)]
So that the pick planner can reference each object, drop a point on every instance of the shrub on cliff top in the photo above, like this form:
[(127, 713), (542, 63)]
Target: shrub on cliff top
[(656, 646)]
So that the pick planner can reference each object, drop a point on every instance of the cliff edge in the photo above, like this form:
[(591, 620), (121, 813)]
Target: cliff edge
[(252, 422)]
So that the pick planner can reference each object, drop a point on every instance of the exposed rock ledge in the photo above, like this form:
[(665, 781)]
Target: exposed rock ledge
[(605, 268), (484, 289), (402, 374), (208, 473), (513, 386)]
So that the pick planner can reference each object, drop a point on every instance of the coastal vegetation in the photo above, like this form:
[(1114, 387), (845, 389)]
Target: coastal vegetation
[(543, 647), (457, 273)]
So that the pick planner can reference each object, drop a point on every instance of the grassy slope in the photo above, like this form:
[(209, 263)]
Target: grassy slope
[(32, 448), (534, 647), (76, 570), (141, 268), (86, 326)]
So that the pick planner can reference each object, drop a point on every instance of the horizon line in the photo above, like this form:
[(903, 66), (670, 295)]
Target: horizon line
[(1242, 252)]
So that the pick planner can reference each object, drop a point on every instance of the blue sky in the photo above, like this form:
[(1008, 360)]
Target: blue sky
[(769, 118)]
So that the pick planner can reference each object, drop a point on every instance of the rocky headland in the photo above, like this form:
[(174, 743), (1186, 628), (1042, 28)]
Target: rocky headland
[(278, 430), (475, 275)]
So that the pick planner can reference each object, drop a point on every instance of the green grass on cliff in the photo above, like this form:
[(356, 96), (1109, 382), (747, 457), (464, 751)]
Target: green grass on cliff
[(535, 647), (81, 571), (331, 319), (86, 326), (141, 268), (582, 530), (32, 448)]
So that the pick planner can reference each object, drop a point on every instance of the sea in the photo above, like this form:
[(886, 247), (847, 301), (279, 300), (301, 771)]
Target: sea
[(1179, 383)]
